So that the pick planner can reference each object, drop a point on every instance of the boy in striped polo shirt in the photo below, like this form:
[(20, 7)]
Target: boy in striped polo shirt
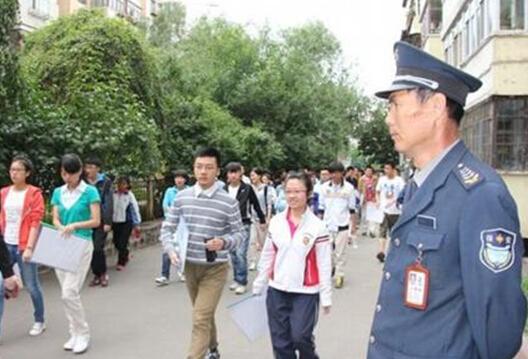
[(215, 228)]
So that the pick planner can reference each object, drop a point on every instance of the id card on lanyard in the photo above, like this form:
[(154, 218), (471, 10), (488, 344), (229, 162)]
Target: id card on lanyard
[(416, 286)]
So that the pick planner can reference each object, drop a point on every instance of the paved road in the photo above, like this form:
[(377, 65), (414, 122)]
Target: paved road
[(133, 319)]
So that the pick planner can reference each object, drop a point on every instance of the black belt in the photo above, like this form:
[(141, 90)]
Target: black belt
[(343, 228)]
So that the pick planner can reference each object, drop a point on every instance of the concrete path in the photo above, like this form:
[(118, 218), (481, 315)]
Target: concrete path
[(134, 319)]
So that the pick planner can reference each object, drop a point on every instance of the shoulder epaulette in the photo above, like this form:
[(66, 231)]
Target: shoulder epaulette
[(468, 176)]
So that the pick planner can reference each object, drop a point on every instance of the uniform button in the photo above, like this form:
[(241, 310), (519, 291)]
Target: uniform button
[(372, 339), (397, 242), (378, 308), (387, 275), (460, 165), (420, 245)]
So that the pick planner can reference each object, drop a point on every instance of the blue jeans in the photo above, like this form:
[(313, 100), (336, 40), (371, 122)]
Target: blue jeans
[(29, 273), (239, 258), (165, 265)]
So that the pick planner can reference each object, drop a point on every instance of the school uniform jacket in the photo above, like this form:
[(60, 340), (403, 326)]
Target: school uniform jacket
[(301, 264)]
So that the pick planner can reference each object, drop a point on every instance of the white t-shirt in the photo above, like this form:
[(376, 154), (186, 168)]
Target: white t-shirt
[(233, 191), (14, 205), (389, 190)]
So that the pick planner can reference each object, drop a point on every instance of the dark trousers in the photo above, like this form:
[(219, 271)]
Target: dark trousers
[(98, 257), (121, 235), (292, 318), (389, 220)]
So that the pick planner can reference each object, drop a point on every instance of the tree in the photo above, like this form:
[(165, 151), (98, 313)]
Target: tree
[(9, 75), (374, 141), (90, 90), (168, 26)]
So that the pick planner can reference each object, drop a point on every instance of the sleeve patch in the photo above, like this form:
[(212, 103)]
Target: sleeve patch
[(497, 249)]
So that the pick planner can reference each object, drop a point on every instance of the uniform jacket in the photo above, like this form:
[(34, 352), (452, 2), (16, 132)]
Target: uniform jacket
[(247, 198), (301, 264), (465, 222), (32, 213), (126, 208), (104, 186)]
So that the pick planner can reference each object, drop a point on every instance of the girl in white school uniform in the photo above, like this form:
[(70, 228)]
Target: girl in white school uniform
[(296, 262)]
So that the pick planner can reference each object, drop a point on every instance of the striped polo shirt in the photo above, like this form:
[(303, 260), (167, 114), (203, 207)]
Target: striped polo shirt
[(210, 213)]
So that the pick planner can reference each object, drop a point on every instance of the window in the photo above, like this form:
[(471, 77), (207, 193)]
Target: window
[(41, 7), (99, 3), (477, 129), (432, 20), (512, 14), (512, 134), (480, 24), (466, 41), (488, 18), (456, 51)]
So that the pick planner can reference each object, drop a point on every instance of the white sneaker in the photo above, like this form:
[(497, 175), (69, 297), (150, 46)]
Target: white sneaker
[(161, 281), (354, 246), (182, 277), (252, 266), (70, 343), (241, 289), (81, 344), (37, 329), (233, 286)]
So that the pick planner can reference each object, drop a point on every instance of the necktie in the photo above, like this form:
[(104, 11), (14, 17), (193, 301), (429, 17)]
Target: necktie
[(412, 187)]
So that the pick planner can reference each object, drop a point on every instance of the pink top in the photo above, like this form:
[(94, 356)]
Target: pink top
[(292, 225)]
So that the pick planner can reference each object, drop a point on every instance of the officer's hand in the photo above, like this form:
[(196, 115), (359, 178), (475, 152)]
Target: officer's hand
[(175, 260), (107, 228), (215, 244), (326, 310)]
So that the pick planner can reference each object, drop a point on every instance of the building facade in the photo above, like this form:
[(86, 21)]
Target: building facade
[(489, 39), (37, 13)]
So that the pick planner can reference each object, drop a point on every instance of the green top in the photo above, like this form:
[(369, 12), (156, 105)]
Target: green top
[(79, 211)]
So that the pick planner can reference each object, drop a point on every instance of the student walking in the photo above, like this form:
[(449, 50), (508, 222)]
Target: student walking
[(126, 218), (22, 210), (76, 211), (215, 228), (296, 261)]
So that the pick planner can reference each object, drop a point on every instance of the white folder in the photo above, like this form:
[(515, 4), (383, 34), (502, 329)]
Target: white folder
[(181, 241), (55, 250), (251, 316)]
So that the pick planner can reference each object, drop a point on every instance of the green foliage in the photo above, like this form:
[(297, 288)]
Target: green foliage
[(168, 26), (144, 98), (374, 142), (287, 96), (90, 90), (9, 76)]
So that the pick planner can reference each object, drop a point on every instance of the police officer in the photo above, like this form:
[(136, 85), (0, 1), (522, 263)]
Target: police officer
[(451, 282)]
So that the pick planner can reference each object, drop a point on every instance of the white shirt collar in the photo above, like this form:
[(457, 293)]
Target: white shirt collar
[(198, 190), (421, 174), (80, 188)]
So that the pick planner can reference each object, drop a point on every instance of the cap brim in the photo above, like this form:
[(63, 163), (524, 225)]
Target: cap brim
[(393, 88)]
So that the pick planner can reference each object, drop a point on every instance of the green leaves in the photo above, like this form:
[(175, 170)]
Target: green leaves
[(90, 90), (144, 98)]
